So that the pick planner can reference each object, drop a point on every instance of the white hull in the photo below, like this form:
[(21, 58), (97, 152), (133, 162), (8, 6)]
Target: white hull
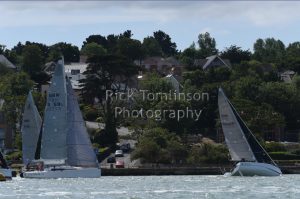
[(255, 169), (6, 172), (64, 172)]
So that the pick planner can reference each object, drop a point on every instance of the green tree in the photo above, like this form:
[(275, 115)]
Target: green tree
[(70, 52), (14, 88), (130, 48), (151, 47), (157, 145), (155, 84), (265, 71), (285, 100), (32, 59), (236, 55), (259, 118), (269, 50), (18, 48), (296, 82), (168, 47), (207, 45), (220, 74), (44, 48), (109, 42), (196, 78), (248, 88), (188, 56), (4, 70), (207, 152), (93, 49), (293, 56), (107, 72)]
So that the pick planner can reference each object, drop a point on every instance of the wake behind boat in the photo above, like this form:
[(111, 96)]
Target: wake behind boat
[(243, 147), (65, 150)]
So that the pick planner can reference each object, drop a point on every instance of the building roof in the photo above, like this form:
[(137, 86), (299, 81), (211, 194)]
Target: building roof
[(205, 63), (160, 61), (287, 76), (288, 72), (6, 62)]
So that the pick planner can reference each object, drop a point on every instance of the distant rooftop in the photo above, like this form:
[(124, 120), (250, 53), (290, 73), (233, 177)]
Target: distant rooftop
[(212, 61)]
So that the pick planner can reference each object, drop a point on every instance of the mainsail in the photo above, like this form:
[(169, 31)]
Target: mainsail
[(241, 142), (79, 147), (53, 145), (31, 126)]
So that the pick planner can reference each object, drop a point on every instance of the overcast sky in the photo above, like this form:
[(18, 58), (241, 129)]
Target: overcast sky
[(230, 22)]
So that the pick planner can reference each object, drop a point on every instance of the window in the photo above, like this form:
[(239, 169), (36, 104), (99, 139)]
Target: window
[(75, 72)]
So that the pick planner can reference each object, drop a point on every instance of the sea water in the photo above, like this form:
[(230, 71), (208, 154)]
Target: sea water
[(162, 187)]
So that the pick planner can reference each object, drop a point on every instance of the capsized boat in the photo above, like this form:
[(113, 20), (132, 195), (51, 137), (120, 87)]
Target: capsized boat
[(66, 150), (251, 157)]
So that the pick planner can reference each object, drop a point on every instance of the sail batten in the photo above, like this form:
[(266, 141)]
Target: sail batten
[(30, 129), (79, 148)]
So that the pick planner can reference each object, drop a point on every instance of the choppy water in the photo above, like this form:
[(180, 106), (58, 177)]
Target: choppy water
[(162, 187)]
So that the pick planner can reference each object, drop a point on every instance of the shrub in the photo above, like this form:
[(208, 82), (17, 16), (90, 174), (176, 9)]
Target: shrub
[(90, 113), (282, 155), (14, 156), (296, 152), (157, 145), (274, 147), (208, 153)]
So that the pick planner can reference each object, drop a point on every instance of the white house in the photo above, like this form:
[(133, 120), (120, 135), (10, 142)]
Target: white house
[(75, 73)]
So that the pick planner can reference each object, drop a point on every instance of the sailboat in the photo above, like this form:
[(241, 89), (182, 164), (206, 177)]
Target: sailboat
[(251, 157), (4, 169), (66, 150), (31, 126)]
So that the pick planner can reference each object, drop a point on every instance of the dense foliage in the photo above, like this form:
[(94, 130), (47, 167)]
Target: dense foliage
[(266, 103)]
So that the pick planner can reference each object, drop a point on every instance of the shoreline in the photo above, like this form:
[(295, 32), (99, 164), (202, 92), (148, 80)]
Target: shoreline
[(180, 171)]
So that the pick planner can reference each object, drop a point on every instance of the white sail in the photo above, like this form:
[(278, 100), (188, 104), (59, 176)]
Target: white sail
[(235, 139), (79, 147), (31, 126), (53, 144)]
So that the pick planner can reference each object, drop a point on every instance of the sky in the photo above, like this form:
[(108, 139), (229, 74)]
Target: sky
[(229, 22)]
